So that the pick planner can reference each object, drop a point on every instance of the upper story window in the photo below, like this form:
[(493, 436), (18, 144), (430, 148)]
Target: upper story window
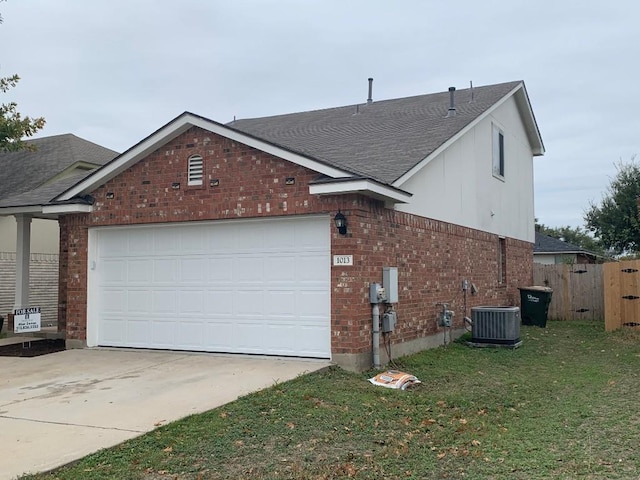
[(196, 168), (498, 152)]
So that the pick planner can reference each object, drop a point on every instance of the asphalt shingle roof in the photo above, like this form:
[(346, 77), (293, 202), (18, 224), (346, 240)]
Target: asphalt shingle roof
[(382, 140), (547, 244), (26, 170)]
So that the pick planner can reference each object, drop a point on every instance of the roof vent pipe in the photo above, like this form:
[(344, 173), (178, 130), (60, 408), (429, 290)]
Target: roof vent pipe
[(452, 103), (370, 98)]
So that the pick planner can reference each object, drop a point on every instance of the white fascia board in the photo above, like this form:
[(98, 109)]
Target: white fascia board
[(360, 186), (67, 208), (425, 161), (31, 209), (529, 120), (177, 127)]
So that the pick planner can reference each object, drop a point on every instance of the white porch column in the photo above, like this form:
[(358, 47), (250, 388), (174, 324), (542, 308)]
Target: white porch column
[(23, 255)]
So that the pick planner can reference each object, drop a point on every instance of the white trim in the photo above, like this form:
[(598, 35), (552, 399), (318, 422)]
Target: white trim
[(6, 211), (425, 161), (360, 186), (68, 208), (176, 127), (92, 294)]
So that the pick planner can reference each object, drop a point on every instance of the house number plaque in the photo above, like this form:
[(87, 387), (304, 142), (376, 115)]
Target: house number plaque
[(342, 260)]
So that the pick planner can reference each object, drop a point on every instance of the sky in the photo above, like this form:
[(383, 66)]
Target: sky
[(115, 71)]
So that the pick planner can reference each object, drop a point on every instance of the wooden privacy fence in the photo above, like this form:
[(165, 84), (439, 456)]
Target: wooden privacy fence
[(578, 291), (622, 295)]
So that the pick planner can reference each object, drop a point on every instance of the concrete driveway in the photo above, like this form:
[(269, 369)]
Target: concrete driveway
[(60, 407)]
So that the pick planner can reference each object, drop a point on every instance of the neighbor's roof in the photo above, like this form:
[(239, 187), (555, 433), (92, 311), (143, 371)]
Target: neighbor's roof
[(550, 246), (26, 170), (385, 139)]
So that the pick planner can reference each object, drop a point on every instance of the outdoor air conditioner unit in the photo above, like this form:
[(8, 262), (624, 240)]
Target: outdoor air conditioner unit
[(495, 325)]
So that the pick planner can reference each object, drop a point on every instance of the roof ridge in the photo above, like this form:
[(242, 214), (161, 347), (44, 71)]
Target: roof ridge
[(375, 102)]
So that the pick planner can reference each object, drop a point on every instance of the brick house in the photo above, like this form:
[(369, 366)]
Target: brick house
[(221, 237)]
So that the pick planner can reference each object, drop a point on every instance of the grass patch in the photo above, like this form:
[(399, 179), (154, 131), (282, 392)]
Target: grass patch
[(563, 405)]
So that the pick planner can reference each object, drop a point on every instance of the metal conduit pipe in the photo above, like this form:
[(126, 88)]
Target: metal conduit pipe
[(376, 336)]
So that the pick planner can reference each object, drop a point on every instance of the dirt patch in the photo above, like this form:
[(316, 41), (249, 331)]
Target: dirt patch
[(32, 349)]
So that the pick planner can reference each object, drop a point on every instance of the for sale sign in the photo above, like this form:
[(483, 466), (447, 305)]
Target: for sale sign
[(26, 320)]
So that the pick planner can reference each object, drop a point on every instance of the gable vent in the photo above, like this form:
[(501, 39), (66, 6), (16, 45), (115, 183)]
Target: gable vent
[(196, 168)]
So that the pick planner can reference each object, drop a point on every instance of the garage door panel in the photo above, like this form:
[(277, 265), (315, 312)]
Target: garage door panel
[(240, 286), (220, 270), (164, 302), (219, 302), (139, 242), (162, 331), (280, 303), (165, 270), (249, 336), (113, 271), (277, 336), (218, 335), (115, 300), (193, 240), (280, 268), (138, 329), (308, 343), (220, 240), (248, 303), (118, 244), (139, 271), (190, 334), (312, 268), (306, 235), (192, 270), (248, 237), (248, 269), (191, 302), (165, 241), (113, 329), (313, 303), (138, 300)]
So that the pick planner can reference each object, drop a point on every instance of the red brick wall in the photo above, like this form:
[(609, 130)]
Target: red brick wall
[(432, 257)]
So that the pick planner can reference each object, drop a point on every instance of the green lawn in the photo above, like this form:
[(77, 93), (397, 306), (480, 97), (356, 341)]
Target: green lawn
[(564, 405)]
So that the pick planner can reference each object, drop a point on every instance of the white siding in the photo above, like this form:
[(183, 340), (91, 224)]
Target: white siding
[(43, 285), (458, 185)]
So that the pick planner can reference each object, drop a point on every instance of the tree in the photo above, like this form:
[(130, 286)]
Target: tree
[(574, 235), (14, 127), (615, 220)]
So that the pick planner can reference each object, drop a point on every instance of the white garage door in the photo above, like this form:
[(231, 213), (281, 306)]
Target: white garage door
[(259, 286)]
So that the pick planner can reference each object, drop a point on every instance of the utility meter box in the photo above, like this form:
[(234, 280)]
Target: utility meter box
[(389, 321), (377, 294), (390, 283)]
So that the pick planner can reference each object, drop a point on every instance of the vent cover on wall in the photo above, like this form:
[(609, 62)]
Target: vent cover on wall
[(499, 325)]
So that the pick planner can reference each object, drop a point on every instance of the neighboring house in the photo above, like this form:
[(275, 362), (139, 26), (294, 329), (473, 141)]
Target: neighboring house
[(221, 238), (548, 250), (52, 159)]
